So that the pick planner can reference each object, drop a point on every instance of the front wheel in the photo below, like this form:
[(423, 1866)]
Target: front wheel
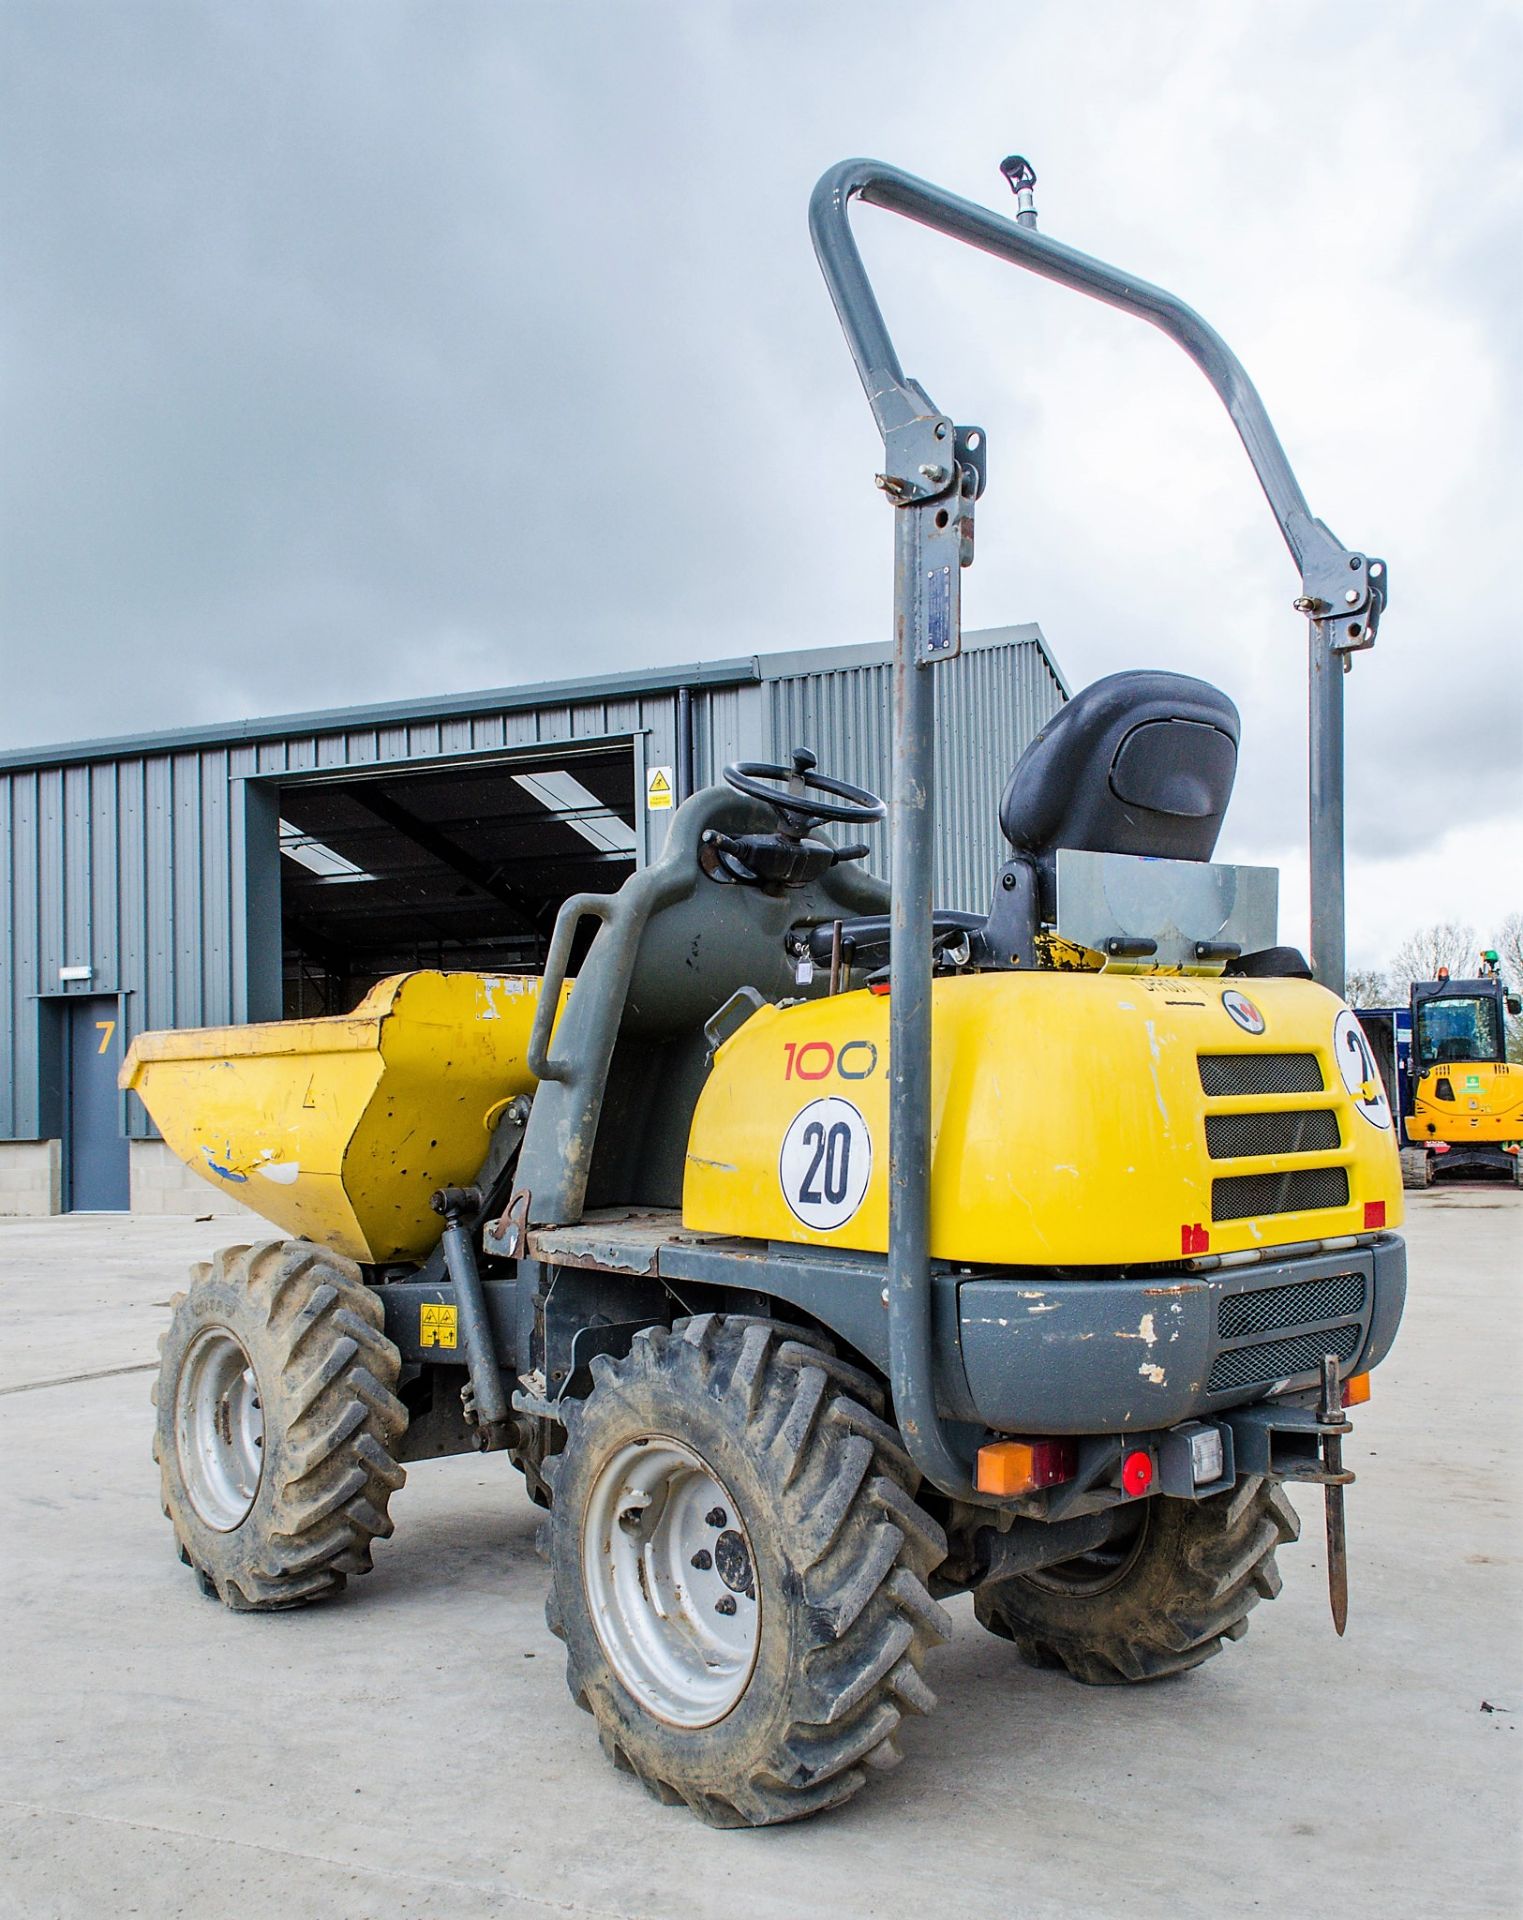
[(739, 1570), (276, 1423), (1176, 1580)]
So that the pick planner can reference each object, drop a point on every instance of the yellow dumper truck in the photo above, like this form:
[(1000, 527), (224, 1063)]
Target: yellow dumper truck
[(816, 1253)]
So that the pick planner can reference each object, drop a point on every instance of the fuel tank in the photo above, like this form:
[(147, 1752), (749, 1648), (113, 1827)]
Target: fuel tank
[(1077, 1120)]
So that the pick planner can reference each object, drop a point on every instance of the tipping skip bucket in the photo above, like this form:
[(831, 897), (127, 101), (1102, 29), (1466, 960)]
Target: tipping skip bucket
[(340, 1129)]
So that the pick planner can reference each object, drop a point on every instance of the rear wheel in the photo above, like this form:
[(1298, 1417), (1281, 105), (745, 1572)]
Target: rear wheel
[(1416, 1167), (739, 1570), (276, 1422), (1176, 1580)]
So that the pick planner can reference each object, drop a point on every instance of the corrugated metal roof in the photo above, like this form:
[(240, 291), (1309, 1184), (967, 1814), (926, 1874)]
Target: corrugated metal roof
[(396, 713), (743, 670)]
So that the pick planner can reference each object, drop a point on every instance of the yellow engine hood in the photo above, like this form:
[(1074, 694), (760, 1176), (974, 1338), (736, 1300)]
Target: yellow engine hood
[(340, 1129), (1069, 1121)]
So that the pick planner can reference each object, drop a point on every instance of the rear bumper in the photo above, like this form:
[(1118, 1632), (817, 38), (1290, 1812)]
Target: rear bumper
[(1146, 1352)]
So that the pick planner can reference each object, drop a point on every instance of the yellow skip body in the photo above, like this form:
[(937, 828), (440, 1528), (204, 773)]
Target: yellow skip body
[(340, 1129), (1467, 1101), (1069, 1117)]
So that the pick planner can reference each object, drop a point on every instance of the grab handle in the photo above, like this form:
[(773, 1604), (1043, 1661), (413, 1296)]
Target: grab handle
[(581, 906)]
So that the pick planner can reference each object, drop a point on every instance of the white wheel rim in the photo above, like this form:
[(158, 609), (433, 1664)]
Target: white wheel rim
[(670, 1579), (219, 1429)]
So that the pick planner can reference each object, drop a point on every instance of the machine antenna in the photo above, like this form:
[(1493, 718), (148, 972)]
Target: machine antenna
[(1019, 171)]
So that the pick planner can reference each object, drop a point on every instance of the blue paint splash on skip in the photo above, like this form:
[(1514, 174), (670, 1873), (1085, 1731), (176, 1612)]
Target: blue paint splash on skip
[(227, 1173)]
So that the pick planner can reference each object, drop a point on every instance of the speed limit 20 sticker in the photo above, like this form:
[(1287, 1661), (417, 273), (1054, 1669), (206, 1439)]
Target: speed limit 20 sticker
[(825, 1163), (1360, 1074)]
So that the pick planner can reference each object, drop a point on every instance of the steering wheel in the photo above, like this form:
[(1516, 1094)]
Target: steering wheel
[(796, 806)]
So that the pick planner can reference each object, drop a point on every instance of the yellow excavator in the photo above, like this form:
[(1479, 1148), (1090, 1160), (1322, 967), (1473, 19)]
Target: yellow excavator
[(1465, 1110)]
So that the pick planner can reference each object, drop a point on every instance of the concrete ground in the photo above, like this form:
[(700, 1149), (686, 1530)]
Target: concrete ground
[(410, 1749)]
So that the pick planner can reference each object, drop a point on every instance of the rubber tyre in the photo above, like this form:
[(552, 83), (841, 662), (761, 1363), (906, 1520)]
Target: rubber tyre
[(841, 1554), (324, 1374), (1197, 1571), (1416, 1168)]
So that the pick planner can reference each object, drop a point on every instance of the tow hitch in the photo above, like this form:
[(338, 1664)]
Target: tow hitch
[(1335, 1478), (1306, 1444)]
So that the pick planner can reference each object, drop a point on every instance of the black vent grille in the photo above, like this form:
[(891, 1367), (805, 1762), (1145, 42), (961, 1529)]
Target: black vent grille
[(1339, 1297), (1238, 1136), (1248, 1195), (1225, 1074), (1280, 1359)]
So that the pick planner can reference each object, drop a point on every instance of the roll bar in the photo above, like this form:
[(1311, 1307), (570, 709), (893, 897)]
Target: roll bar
[(933, 473), (1328, 568)]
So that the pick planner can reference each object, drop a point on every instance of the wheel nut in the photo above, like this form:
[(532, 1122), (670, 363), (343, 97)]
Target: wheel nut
[(717, 1517), (726, 1605), (703, 1560)]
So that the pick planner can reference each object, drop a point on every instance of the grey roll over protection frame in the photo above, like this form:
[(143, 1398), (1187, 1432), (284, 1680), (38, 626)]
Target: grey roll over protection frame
[(933, 472)]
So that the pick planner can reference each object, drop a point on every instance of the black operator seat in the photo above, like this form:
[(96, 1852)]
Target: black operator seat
[(1138, 763), (1135, 763)]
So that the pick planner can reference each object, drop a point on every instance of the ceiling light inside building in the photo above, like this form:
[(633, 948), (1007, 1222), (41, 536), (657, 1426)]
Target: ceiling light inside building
[(574, 806), (317, 858)]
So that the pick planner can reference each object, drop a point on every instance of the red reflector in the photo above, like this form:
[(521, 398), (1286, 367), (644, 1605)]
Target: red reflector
[(879, 987), (1137, 1473), (1194, 1239), (1374, 1213), (1438, 1146)]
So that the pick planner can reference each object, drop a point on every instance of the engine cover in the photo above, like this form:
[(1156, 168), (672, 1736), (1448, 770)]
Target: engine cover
[(1077, 1120)]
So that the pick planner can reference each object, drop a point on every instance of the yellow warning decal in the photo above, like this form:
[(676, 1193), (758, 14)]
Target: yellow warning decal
[(437, 1325), (658, 790)]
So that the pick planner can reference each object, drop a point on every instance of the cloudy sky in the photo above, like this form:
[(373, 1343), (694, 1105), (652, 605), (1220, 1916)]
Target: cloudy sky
[(355, 352)]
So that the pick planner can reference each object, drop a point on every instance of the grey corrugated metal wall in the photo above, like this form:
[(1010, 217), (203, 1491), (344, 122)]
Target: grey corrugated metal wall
[(989, 704), (132, 858), (134, 867)]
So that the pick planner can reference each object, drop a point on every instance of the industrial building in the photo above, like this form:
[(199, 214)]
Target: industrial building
[(279, 867)]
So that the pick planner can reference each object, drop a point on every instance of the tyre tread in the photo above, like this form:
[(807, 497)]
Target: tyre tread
[(1223, 1565), (333, 1398), (863, 1549)]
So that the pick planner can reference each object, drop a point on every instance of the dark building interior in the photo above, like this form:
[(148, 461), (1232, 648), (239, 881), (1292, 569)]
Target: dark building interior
[(455, 867)]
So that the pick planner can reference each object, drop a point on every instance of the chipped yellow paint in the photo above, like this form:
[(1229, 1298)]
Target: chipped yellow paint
[(339, 1129), (1068, 1121)]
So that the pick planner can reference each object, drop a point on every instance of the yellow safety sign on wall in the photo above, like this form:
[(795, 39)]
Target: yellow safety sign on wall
[(658, 790), (437, 1325)]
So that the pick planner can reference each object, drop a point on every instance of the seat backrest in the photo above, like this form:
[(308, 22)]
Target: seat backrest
[(1135, 763)]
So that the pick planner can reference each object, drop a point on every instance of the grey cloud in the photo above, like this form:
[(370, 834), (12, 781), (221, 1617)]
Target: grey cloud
[(354, 353)]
